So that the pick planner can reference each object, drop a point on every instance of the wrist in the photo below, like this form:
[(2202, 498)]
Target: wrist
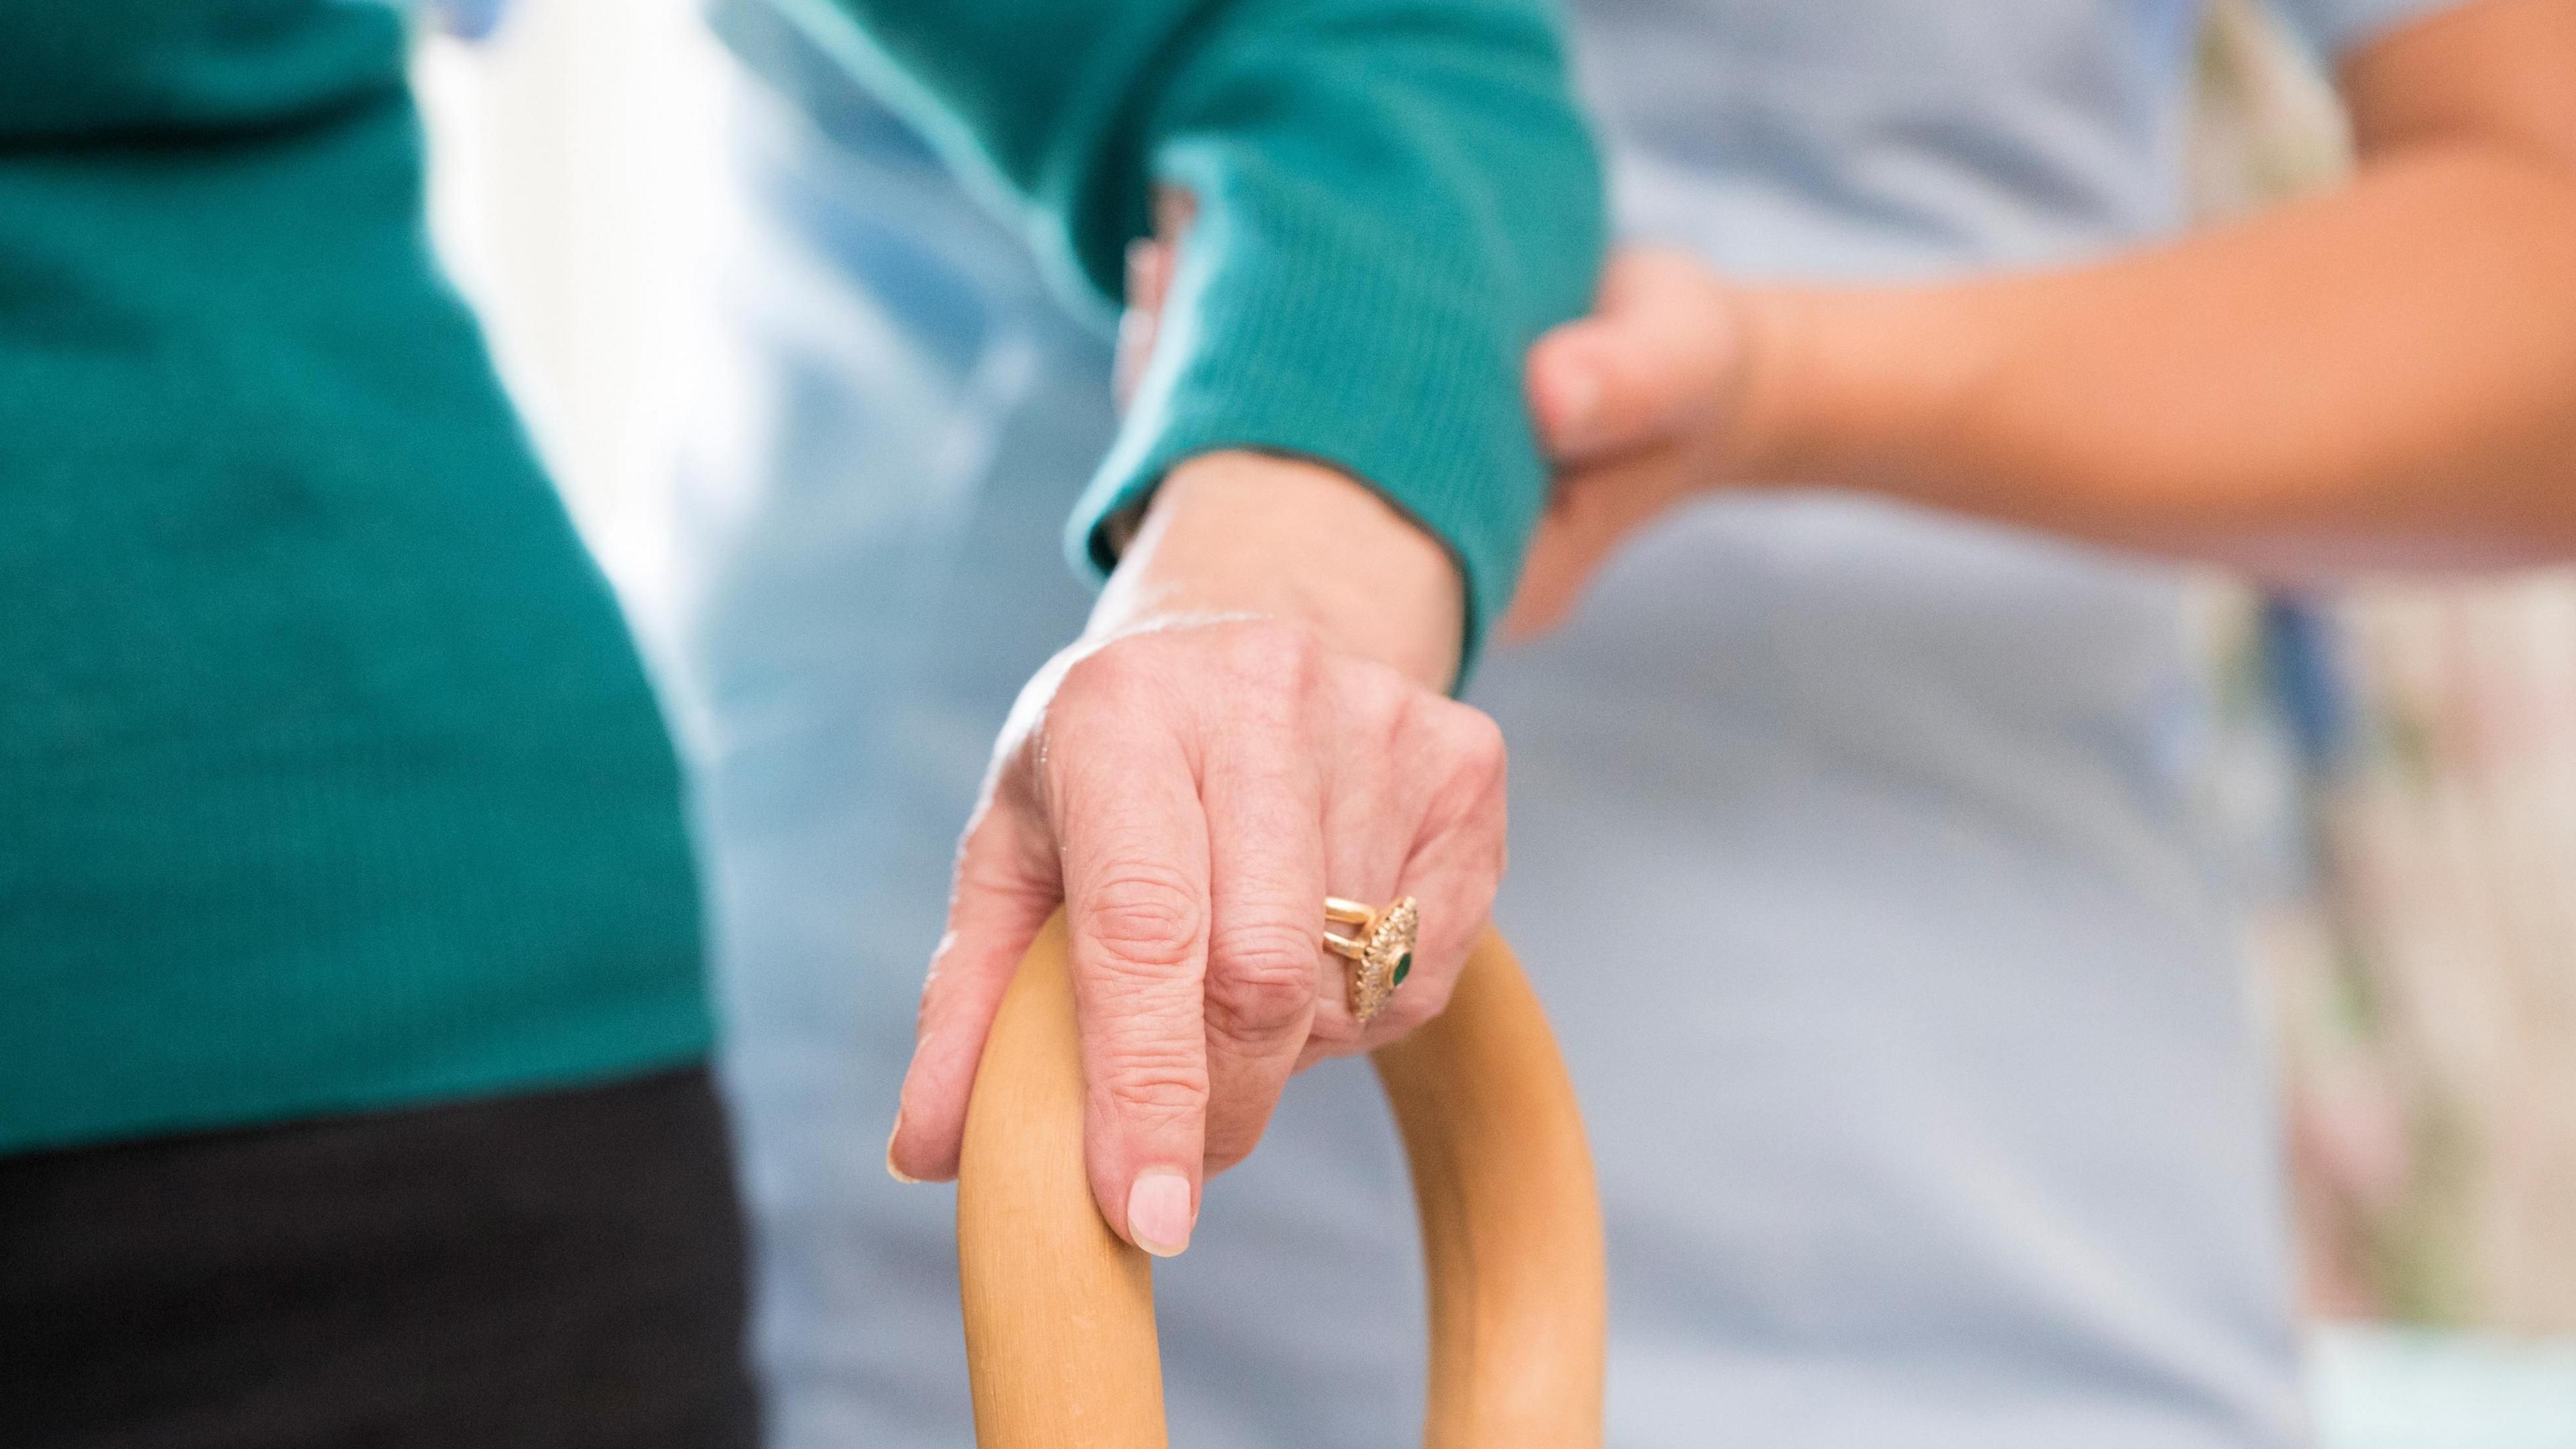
[(1782, 393), (1851, 386), (1248, 533)]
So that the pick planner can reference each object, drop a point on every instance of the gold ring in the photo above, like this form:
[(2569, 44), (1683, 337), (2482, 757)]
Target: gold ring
[(1381, 952)]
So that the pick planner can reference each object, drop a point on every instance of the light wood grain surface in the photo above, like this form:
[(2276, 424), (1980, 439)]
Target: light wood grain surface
[(1060, 1341)]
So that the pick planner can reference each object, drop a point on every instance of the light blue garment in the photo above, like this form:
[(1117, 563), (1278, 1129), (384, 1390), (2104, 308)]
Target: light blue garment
[(1929, 1101)]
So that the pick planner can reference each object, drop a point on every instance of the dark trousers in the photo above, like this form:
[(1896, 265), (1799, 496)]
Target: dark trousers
[(559, 1269)]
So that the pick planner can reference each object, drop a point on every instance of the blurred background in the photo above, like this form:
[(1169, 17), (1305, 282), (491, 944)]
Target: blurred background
[(2400, 763)]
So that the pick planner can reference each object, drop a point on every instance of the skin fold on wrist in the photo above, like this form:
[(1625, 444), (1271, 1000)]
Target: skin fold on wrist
[(1241, 533)]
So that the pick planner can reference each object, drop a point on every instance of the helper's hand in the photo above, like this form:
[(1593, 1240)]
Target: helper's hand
[(1638, 407), (1255, 719)]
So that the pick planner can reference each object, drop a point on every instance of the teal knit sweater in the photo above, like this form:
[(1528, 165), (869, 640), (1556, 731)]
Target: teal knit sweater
[(328, 778)]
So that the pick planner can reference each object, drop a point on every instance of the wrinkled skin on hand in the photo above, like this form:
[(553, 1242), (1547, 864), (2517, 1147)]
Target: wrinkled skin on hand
[(1255, 719), (1190, 781)]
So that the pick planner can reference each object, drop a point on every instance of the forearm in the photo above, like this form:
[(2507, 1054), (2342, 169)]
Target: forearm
[(1394, 198), (2386, 375)]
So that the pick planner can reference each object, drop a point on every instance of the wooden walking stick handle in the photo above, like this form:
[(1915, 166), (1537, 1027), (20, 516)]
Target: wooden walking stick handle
[(1060, 1341)]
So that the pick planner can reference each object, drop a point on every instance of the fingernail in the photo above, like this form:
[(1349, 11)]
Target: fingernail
[(1158, 1212), (897, 1173)]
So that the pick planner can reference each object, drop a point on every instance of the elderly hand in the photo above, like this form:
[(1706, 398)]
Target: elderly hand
[(1254, 719), (1639, 405)]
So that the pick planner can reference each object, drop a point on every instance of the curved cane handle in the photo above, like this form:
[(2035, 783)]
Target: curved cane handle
[(1060, 1343)]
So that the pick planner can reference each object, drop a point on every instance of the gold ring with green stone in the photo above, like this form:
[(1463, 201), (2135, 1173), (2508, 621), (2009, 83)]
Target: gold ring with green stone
[(1381, 952)]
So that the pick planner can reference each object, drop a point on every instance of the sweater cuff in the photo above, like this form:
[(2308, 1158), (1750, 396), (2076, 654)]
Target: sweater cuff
[(1296, 328)]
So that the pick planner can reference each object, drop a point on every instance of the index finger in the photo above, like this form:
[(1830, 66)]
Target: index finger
[(1134, 842)]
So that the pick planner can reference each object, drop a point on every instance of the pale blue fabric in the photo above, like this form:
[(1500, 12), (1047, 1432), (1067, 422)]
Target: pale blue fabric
[(1929, 1099)]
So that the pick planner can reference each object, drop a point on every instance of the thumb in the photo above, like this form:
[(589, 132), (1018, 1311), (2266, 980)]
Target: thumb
[(1006, 888), (1644, 367)]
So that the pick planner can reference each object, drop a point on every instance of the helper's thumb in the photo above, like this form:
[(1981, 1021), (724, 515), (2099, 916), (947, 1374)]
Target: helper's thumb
[(1640, 369)]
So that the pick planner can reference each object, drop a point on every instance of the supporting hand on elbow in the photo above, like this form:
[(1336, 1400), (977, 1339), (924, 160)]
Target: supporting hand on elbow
[(1638, 406)]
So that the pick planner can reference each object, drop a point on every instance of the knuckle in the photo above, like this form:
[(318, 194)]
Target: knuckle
[(1380, 693), (1261, 981), (1469, 745), (1153, 1087), (1478, 743), (1142, 915)]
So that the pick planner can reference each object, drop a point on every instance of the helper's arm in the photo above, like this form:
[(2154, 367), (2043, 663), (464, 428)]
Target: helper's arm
[(2380, 376)]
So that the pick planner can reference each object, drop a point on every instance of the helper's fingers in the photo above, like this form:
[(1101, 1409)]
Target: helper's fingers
[(1006, 887), (1263, 793), (1124, 798), (1648, 365), (1568, 547), (1595, 510)]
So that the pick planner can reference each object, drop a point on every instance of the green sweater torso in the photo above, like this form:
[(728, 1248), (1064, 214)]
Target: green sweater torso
[(328, 779), (328, 776)]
